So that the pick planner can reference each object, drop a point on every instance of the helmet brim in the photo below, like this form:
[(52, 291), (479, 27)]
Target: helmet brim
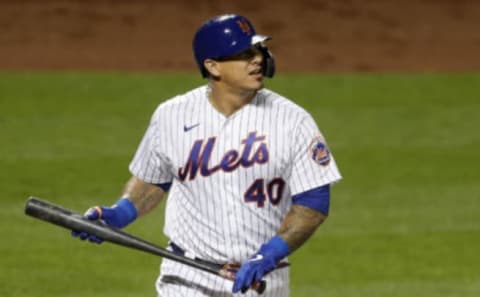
[(259, 38)]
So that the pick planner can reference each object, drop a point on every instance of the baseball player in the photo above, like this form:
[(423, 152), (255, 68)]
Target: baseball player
[(247, 171)]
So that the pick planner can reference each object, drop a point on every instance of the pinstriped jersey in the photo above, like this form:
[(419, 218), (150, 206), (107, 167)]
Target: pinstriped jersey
[(232, 177)]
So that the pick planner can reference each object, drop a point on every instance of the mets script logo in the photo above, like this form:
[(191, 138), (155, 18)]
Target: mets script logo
[(244, 26), (254, 151), (319, 152)]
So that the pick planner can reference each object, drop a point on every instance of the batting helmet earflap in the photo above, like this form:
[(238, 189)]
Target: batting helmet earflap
[(226, 35)]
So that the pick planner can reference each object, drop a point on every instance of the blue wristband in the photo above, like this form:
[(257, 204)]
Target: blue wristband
[(277, 248), (125, 211)]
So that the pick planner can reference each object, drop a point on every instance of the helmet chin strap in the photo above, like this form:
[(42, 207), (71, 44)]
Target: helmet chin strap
[(268, 67)]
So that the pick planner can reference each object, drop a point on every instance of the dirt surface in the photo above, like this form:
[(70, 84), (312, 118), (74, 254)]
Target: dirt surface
[(320, 36)]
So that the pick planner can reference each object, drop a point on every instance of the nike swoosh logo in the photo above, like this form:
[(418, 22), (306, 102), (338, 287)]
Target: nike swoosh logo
[(188, 128), (257, 258)]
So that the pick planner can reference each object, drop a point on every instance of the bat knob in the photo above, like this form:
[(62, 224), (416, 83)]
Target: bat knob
[(260, 286)]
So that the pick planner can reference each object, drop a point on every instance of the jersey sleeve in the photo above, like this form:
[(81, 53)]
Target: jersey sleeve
[(150, 164), (313, 163)]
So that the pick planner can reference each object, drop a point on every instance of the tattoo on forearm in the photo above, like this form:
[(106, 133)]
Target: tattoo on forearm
[(145, 196), (299, 224)]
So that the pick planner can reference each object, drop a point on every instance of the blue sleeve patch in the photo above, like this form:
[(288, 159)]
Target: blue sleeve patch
[(318, 199), (165, 187)]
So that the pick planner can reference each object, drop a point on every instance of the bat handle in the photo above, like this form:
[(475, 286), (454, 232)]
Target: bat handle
[(260, 286)]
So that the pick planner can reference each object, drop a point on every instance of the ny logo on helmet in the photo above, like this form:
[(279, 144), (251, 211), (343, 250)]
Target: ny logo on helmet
[(244, 26)]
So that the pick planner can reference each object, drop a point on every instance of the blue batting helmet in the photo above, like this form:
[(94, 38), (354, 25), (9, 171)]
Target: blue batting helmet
[(226, 35)]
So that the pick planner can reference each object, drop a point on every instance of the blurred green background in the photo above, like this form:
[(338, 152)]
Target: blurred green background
[(405, 221)]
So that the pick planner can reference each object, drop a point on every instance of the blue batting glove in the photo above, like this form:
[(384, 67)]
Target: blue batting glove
[(264, 261), (119, 215)]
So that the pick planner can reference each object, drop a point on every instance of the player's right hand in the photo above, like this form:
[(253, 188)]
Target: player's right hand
[(93, 214), (119, 215)]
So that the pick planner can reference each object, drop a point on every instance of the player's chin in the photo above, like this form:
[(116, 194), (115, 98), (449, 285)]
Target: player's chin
[(256, 82), (259, 87)]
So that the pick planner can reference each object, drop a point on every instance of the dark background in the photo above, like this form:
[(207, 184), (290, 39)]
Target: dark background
[(312, 36)]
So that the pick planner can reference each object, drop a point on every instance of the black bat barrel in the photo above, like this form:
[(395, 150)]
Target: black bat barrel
[(60, 216)]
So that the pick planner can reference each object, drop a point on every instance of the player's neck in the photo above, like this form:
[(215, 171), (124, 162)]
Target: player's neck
[(228, 101)]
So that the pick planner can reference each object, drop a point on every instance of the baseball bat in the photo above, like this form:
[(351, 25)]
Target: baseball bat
[(68, 219)]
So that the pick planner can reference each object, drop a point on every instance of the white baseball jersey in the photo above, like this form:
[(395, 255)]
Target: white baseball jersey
[(232, 179)]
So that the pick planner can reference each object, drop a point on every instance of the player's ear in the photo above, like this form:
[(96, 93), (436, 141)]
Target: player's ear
[(213, 67)]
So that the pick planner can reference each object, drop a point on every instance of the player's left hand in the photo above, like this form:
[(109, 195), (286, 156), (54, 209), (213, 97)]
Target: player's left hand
[(264, 261)]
